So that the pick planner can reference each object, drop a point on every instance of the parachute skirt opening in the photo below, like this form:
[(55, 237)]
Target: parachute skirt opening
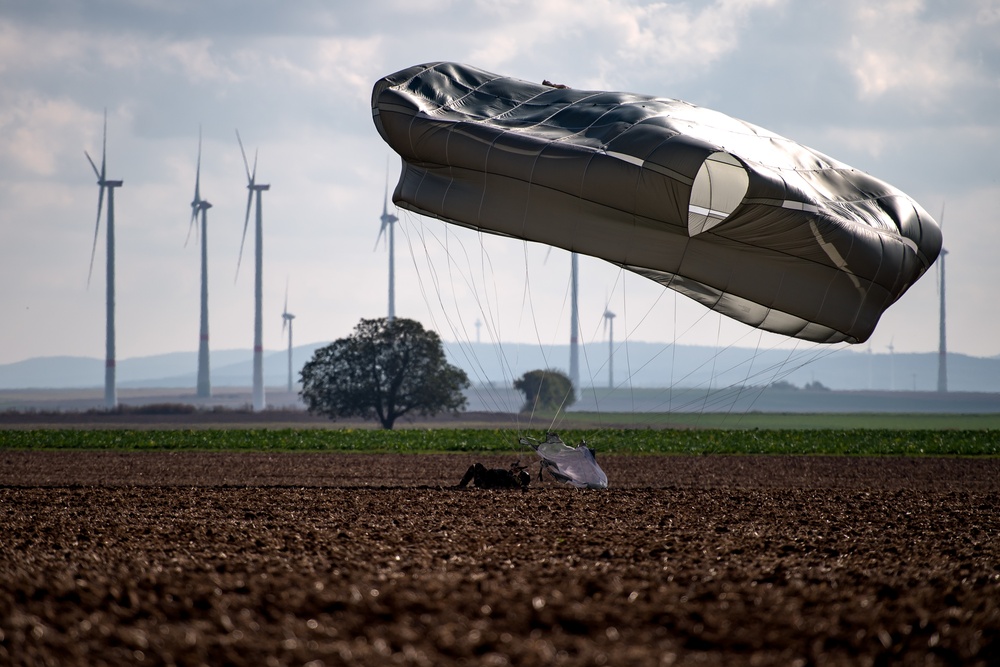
[(718, 188)]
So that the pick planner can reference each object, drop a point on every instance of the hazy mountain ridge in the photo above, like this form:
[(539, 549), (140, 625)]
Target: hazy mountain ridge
[(637, 364)]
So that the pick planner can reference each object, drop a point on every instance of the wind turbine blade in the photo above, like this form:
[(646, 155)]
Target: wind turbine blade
[(196, 202), (380, 232), (246, 223), (284, 312), (191, 226), (385, 198), (93, 166), (104, 145), (253, 173), (246, 165), (197, 174), (97, 229)]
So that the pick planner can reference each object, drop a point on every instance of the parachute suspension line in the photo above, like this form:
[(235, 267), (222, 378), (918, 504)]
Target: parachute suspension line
[(433, 277), (489, 277), (625, 342), (673, 359), (775, 372), (528, 298), (484, 298), (728, 396), (528, 303), (491, 397), (560, 413), (746, 380), (673, 346), (715, 357), (488, 274), (590, 371)]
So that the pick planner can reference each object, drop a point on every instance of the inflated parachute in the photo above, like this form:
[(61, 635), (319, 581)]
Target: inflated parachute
[(573, 465), (746, 222)]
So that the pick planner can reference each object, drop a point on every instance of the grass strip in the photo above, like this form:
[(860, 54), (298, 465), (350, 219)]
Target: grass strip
[(851, 442)]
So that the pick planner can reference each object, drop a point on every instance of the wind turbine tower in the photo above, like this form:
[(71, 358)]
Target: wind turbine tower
[(255, 188), (199, 208), (942, 384), (609, 321), (287, 318), (388, 221), (110, 386), (574, 324)]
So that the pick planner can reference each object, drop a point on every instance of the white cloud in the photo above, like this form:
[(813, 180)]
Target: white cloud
[(28, 49), (895, 48), (37, 133), (614, 35), (197, 60)]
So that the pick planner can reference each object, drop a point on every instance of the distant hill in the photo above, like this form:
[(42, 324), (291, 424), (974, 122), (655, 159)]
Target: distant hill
[(175, 369), (641, 364), (637, 364)]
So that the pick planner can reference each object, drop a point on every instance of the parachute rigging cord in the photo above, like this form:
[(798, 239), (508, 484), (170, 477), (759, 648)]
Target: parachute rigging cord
[(421, 243), (427, 240)]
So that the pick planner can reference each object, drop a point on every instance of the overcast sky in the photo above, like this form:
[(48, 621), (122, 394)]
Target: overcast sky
[(908, 91)]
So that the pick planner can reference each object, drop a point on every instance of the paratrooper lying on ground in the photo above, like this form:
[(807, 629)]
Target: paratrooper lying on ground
[(515, 477)]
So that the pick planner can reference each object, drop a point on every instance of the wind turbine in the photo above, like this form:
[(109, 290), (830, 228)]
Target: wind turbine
[(942, 383), (609, 324), (287, 318), (574, 323), (110, 387), (253, 187), (388, 220), (199, 207), (574, 320)]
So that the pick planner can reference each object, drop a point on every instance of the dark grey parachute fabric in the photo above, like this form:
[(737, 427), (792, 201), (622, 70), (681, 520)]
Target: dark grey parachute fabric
[(746, 222)]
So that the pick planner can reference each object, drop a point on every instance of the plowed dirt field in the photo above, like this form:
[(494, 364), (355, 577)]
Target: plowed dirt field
[(349, 559)]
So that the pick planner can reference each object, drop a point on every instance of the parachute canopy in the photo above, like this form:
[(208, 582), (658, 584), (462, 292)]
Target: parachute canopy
[(746, 222), (573, 465)]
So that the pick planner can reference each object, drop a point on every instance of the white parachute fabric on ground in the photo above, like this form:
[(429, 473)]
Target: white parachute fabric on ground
[(573, 465), (748, 223)]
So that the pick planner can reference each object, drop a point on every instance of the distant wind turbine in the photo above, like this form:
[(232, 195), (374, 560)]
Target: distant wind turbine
[(942, 383), (574, 320), (287, 318), (388, 221), (609, 324), (253, 187), (574, 323), (110, 386), (199, 208)]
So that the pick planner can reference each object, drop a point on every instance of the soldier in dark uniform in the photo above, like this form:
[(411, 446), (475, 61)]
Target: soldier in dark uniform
[(515, 477)]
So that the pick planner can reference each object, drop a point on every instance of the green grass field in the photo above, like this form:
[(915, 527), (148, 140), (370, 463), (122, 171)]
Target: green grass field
[(812, 441), (762, 420)]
